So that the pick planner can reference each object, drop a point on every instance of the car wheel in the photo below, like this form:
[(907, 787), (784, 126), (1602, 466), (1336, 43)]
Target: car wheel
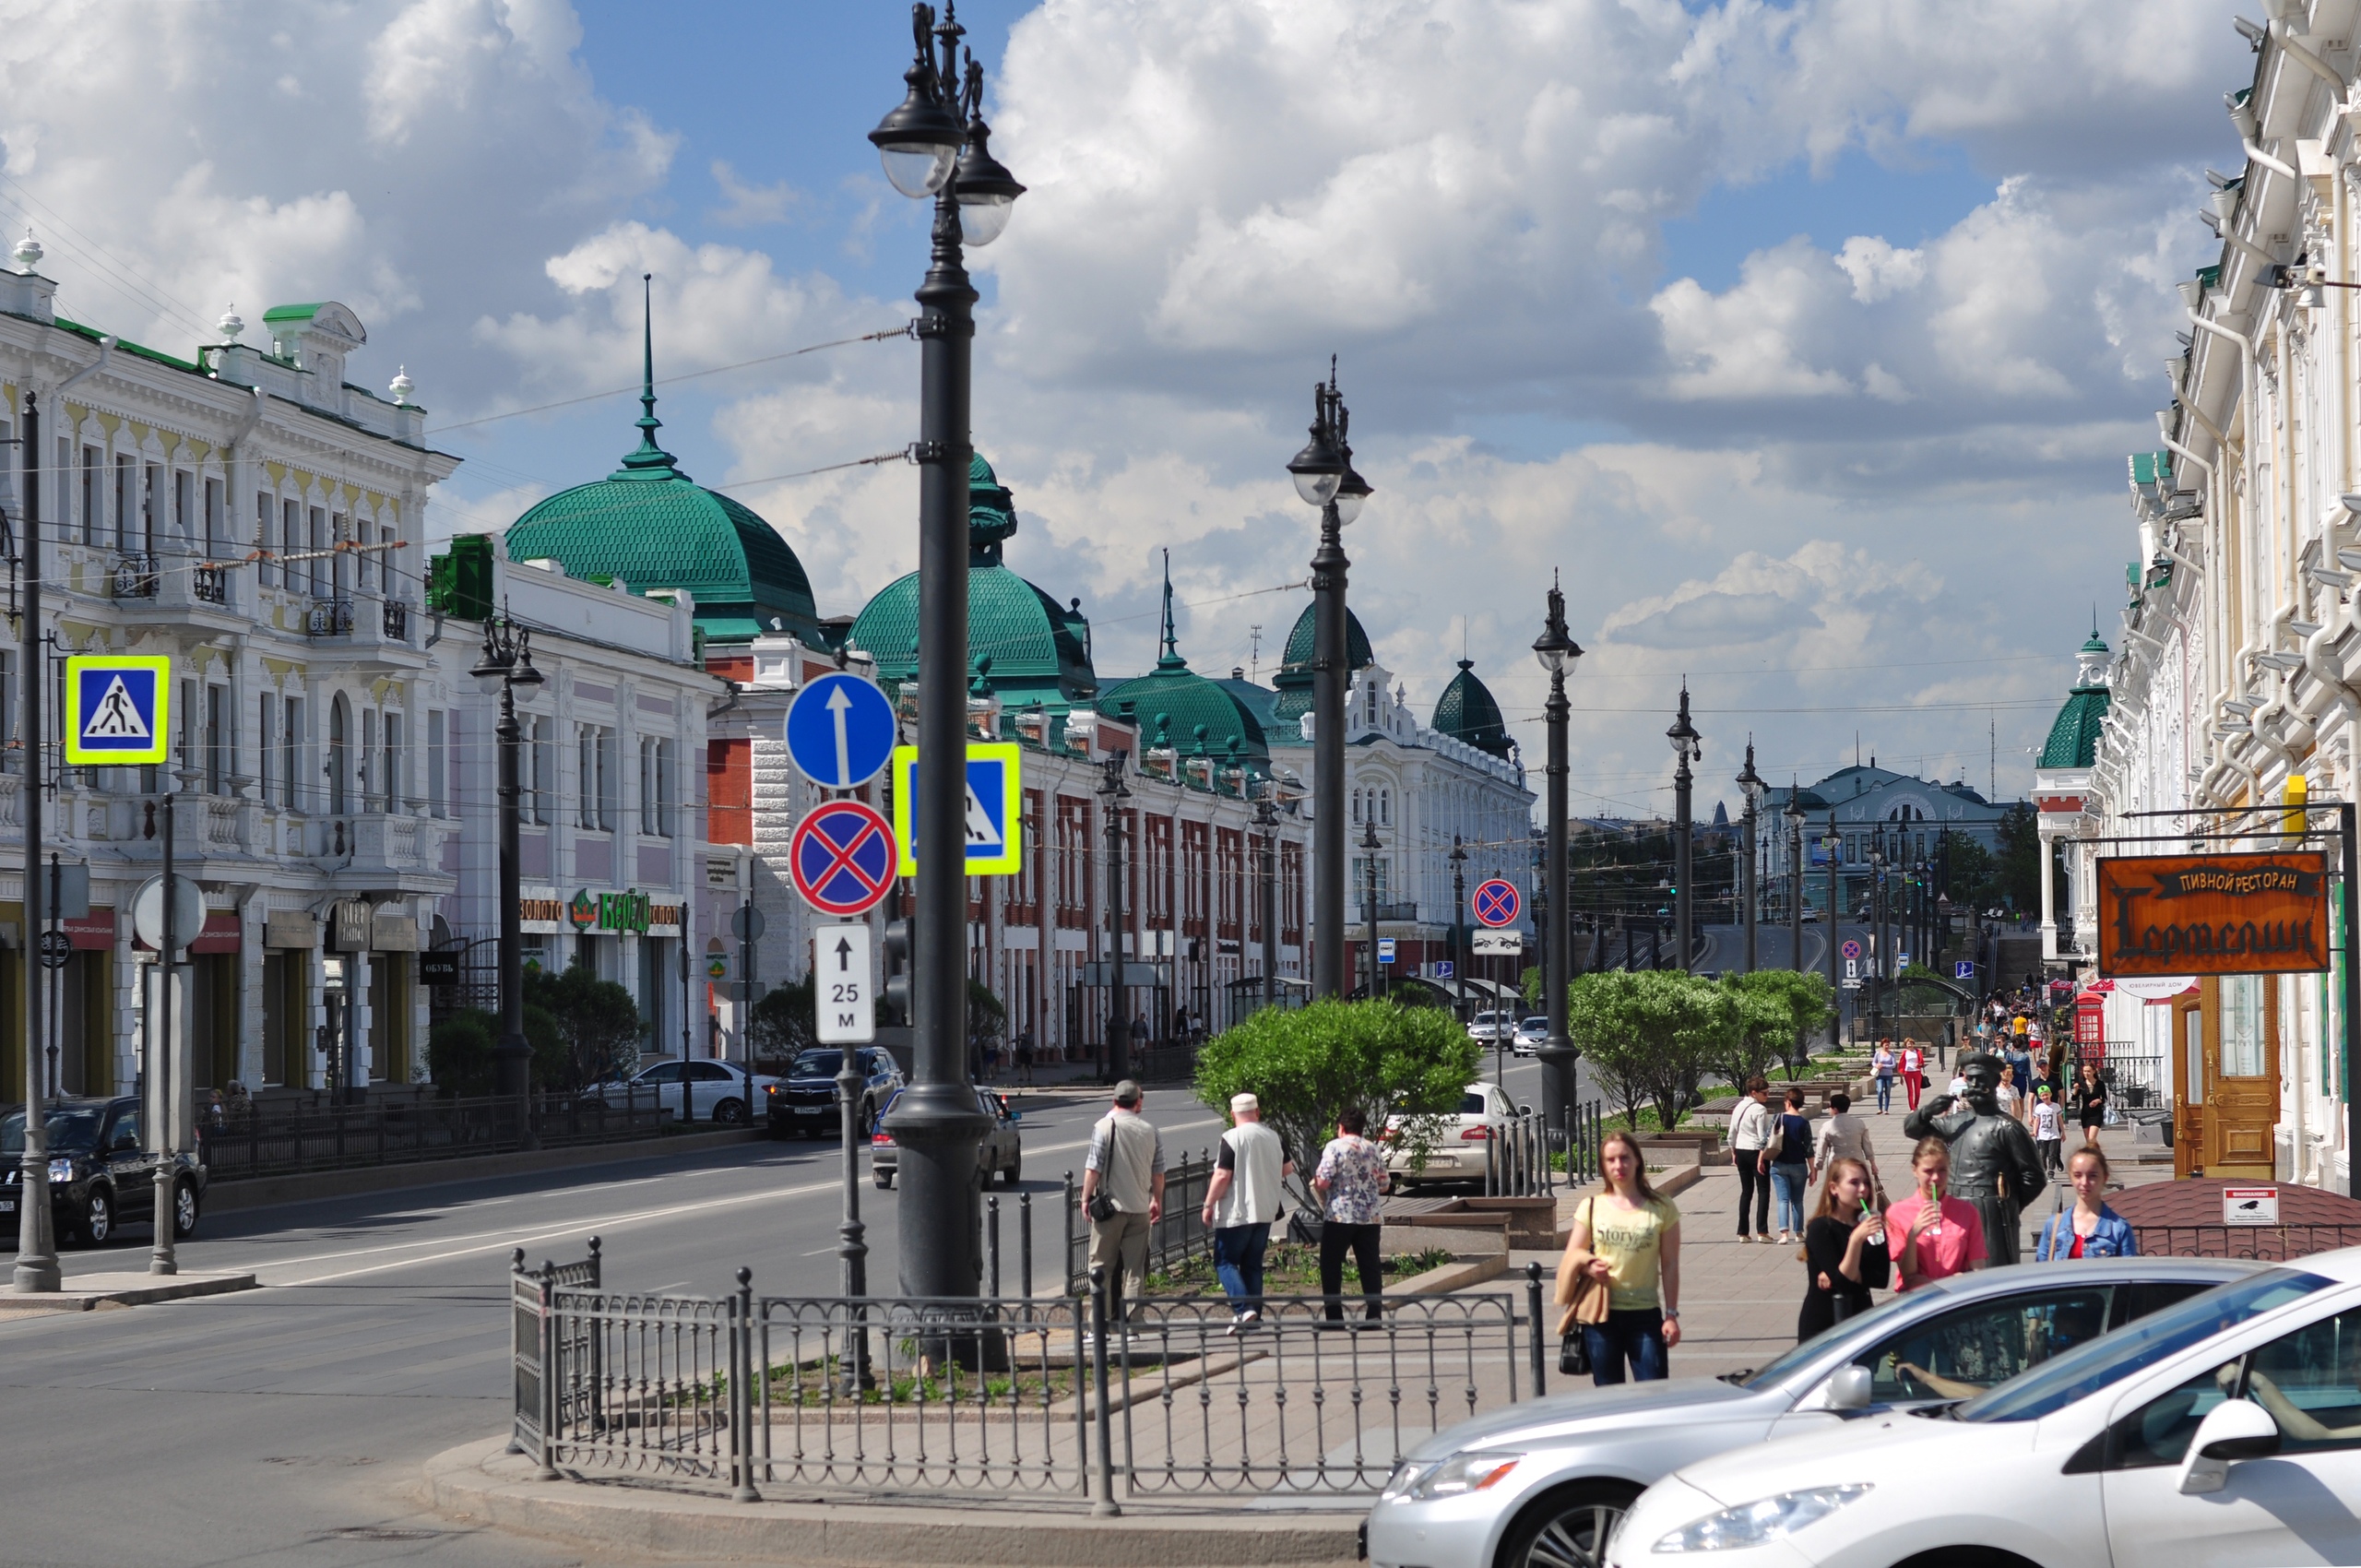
[(730, 1112), (884, 1180), (1566, 1527), (183, 1210), (1015, 1167), (97, 1218)]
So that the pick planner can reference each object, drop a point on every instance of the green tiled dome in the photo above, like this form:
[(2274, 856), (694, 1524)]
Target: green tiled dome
[(1039, 649), (1177, 707), (654, 526), (1295, 675), (2074, 736), (1467, 711)]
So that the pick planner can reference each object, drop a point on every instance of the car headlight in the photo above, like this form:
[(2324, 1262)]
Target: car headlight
[(61, 1171), (1751, 1523), (1406, 1474), (1459, 1474)]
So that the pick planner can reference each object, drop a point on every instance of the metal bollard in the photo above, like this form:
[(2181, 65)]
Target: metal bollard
[(742, 1381), (1533, 1310), (1066, 1262), (991, 1248), (1103, 1503), (1025, 1243)]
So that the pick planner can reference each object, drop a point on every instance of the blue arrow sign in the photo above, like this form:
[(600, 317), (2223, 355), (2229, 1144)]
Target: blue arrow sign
[(841, 730)]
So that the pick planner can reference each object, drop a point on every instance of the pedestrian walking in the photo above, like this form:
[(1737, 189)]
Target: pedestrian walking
[(2090, 1105), (1941, 1236), (1844, 1136), (1241, 1203), (1845, 1253), (1629, 1237), (1750, 1126), (1123, 1192), (1351, 1180), (2090, 1229), (2048, 1129), (1024, 1052), (1787, 1161), (2005, 1091), (1914, 1072), (1885, 1064)]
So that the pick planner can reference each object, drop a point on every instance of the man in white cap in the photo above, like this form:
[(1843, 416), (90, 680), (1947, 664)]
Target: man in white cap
[(1242, 1203), (1124, 1167)]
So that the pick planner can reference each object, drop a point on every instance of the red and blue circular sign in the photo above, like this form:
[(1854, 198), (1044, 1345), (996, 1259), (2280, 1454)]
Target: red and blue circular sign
[(842, 857), (1497, 903)]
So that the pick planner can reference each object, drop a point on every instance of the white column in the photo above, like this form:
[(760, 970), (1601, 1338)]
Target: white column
[(2048, 896)]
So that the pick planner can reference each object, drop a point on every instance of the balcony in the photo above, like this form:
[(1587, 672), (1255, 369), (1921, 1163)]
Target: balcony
[(136, 577), (211, 584), (329, 618), (397, 621)]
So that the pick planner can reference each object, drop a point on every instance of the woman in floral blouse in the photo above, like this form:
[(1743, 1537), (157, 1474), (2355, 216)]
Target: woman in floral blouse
[(1351, 1182)]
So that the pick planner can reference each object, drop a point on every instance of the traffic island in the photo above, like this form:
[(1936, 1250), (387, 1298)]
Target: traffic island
[(482, 1483), (99, 1293)]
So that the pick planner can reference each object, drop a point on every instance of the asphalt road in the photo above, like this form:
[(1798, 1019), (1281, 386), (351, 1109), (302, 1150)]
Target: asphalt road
[(287, 1425)]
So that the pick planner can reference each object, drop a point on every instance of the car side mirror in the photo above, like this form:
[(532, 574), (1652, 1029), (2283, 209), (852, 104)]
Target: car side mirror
[(1849, 1388), (1524, 1110), (2231, 1430), (126, 1142)]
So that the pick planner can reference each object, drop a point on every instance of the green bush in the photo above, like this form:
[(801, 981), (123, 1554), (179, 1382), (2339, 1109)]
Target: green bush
[(587, 1030), (458, 1053), (1777, 1010), (1651, 1034)]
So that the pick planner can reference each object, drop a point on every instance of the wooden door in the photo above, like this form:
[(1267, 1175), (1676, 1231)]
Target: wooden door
[(2242, 1082), (2190, 1038)]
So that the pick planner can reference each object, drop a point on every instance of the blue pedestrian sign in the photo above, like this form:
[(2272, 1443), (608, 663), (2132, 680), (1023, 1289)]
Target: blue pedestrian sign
[(841, 730), (1444, 969), (996, 809), (119, 706), (1962, 970)]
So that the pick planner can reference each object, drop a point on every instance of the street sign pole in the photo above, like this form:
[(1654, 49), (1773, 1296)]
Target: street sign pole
[(36, 1267), (163, 1124)]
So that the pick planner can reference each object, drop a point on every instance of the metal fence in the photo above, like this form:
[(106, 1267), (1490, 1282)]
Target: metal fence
[(2135, 1079), (1175, 1237), (2264, 1244), (268, 1141), (1086, 1398)]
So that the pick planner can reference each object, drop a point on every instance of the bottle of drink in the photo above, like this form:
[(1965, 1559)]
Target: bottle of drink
[(1936, 1190), (1877, 1237)]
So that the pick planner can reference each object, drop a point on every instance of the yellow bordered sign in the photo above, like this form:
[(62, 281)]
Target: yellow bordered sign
[(995, 808), (118, 708)]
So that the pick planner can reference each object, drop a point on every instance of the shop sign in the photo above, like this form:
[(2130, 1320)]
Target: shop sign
[(291, 928), (717, 967), (349, 925), (616, 911), (2213, 914)]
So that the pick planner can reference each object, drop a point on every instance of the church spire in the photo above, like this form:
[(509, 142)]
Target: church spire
[(650, 461), (1172, 658)]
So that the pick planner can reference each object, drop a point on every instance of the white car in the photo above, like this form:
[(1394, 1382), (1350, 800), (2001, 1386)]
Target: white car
[(1531, 1036), (2226, 1429), (727, 1093), (1487, 1028), (1463, 1145)]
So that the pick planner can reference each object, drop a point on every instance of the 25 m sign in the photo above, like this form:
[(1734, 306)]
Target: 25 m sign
[(2213, 914)]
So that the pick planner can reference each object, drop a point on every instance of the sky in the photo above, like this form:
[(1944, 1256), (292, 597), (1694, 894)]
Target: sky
[(1804, 342)]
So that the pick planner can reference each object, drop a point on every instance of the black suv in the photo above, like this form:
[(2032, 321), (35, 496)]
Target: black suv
[(100, 1177), (804, 1100)]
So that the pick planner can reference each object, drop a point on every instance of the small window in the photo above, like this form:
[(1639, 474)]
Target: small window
[(435, 764)]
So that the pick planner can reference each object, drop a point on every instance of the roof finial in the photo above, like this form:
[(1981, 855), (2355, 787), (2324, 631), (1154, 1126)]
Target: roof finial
[(650, 461), (1172, 658)]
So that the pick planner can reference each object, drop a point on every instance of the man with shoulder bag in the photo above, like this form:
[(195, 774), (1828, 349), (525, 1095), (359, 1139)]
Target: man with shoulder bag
[(1123, 1192)]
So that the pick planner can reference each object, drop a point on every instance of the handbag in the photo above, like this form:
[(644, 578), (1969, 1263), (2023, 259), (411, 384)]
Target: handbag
[(1585, 1300), (1101, 1207), (1573, 1354)]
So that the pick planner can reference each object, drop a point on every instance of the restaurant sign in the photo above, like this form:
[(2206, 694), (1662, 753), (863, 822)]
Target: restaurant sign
[(2213, 914)]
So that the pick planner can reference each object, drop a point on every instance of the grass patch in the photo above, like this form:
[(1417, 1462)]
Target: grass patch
[(815, 1383), (1288, 1270)]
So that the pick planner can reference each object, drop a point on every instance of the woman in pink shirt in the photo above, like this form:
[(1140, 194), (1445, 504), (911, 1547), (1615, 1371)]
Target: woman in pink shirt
[(1941, 1236)]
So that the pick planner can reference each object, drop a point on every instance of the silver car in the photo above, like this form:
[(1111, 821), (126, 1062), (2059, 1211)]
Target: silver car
[(1541, 1485)]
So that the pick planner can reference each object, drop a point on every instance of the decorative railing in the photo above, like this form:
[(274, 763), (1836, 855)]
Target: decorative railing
[(135, 577), (329, 618)]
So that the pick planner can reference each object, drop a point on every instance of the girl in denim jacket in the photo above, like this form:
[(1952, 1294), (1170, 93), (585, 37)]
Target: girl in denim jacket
[(2090, 1229)]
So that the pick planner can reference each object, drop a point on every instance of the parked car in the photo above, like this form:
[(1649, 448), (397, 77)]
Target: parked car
[(725, 1093), (1001, 1151), (1531, 1036), (804, 1102), (1542, 1483), (1463, 1145), (2223, 1430), (100, 1177), (1487, 1027)]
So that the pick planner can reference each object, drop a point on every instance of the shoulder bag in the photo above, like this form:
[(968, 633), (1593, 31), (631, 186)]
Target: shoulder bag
[(1585, 1300)]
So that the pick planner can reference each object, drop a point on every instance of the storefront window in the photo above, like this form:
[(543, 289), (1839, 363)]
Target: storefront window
[(2242, 1030)]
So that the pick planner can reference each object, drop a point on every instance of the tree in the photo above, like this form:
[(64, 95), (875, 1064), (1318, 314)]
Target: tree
[(1975, 874), (458, 1051), (784, 1023), (1650, 1035), (1307, 1066), (596, 1021), (1777, 1009)]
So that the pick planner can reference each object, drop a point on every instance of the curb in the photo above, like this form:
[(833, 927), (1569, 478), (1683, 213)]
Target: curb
[(267, 1192), (482, 1483), (128, 1291)]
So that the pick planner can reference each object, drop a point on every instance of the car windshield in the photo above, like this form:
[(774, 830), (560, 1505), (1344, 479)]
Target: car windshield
[(1537, 1023), (1872, 1322), (76, 1128), (2107, 1361), (818, 1064)]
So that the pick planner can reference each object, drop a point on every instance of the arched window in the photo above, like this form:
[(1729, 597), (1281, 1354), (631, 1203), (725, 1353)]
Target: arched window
[(340, 754)]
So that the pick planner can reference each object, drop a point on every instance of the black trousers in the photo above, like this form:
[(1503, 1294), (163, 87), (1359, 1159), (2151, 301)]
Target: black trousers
[(1361, 1241), (1753, 1192)]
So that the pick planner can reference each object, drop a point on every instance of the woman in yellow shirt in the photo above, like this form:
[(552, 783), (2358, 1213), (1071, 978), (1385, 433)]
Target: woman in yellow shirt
[(1633, 1238)]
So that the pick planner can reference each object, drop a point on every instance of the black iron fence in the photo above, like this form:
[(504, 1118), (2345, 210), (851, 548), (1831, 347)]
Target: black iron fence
[(1175, 1237), (1086, 1398), (271, 1140)]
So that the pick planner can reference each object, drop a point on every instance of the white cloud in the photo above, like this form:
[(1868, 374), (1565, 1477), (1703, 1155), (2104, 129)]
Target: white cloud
[(752, 206)]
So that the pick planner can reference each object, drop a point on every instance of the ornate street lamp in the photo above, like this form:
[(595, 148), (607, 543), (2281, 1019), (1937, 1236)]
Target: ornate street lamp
[(1556, 651), (1687, 747), (1458, 933), (1266, 818), (35, 1269), (508, 659), (1369, 846), (1877, 934), (1112, 793), (935, 144), (1325, 477), (1795, 816), (1749, 785)]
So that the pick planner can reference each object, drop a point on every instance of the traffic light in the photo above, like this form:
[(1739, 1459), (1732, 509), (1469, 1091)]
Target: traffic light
[(897, 970)]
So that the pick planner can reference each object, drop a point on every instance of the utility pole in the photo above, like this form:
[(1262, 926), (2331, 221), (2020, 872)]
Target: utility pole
[(36, 1267), (1686, 746), (1266, 818), (1114, 793), (1835, 927)]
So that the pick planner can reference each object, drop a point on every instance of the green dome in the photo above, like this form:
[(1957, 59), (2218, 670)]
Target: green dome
[(1039, 649), (1177, 707), (1466, 712), (2074, 736), (652, 526), (1295, 675)]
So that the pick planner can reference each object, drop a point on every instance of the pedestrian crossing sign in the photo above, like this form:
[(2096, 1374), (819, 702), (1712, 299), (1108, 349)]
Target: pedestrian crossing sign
[(120, 706), (995, 809)]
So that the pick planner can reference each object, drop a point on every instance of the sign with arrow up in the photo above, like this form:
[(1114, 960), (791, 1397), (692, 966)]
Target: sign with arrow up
[(840, 985), (841, 730)]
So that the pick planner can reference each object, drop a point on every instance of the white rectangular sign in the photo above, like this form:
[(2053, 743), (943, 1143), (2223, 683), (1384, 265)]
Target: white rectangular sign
[(1498, 942), (2250, 1205), (840, 985)]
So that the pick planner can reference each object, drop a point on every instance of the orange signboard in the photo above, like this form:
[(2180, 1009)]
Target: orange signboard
[(2213, 914)]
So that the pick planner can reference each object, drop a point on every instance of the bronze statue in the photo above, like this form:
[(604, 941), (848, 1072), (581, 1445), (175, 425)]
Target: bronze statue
[(1993, 1164)]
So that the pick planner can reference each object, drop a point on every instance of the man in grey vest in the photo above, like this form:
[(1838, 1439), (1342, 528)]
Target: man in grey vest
[(1241, 1203), (1126, 1166)]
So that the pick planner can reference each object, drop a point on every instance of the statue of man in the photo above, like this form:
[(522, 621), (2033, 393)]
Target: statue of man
[(1993, 1164)]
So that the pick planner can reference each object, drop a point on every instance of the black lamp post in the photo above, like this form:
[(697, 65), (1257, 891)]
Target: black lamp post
[(1877, 935), (1369, 846), (1835, 915), (1459, 931), (935, 145), (1749, 784), (1266, 818), (508, 658), (1113, 792), (35, 1269), (1686, 746), (1556, 651), (1325, 477), (1794, 814)]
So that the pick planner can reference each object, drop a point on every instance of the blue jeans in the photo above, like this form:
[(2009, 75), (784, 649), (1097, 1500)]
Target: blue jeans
[(1885, 1094), (1787, 1185), (1633, 1335), (1238, 1264)]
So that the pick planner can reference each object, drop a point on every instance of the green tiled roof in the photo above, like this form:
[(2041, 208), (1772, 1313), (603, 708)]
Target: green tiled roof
[(2074, 738), (2152, 467), (1296, 674), (1177, 707), (1467, 711)]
